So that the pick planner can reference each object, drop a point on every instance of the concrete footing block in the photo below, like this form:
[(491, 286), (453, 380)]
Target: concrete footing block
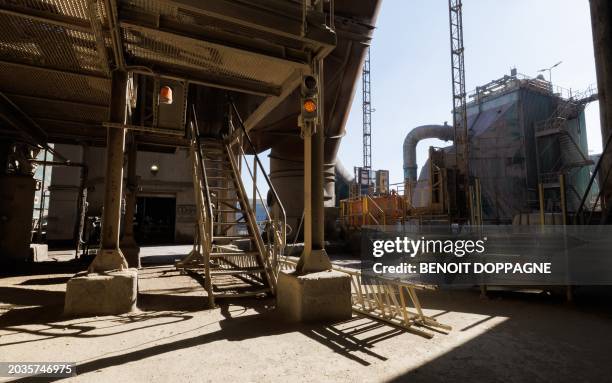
[(314, 297), (108, 293), (39, 252)]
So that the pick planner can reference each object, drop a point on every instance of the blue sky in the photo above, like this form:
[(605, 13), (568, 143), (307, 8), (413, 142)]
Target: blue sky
[(411, 83)]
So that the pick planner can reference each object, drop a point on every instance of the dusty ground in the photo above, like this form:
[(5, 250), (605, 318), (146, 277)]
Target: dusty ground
[(506, 338)]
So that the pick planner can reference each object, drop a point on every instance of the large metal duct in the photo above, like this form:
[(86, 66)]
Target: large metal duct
[(443, 132), (343, 174), (287, 176), (601, 18)]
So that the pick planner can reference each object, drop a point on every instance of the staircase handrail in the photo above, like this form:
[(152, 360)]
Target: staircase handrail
[(280, 233), (209, 225)]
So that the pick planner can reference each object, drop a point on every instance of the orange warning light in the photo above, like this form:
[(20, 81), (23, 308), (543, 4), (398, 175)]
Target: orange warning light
[(165, 95), (310, 106)]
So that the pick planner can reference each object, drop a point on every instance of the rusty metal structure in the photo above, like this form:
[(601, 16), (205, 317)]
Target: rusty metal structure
[(106, 73), (460, 178), (524, 132)]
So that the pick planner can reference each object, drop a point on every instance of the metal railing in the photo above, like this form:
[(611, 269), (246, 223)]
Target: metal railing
[(362, 211), (203, 241), (508, 83), (375, 214), (275, 223)]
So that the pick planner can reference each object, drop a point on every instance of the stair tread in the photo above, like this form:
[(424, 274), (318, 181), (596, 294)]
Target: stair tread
[(242, 294), (243, 270), (232, 237), (233, 254)]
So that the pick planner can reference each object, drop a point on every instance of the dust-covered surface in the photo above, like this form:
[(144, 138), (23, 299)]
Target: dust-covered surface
[(174, 337)]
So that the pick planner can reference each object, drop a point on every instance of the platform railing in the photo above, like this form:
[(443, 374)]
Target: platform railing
[(374, 213)]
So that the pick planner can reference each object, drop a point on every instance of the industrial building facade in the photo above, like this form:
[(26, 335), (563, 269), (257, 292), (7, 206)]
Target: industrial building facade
[(165, 211), (522, 134)]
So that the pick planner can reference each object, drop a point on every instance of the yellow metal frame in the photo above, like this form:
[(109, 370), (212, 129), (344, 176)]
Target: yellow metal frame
[(391, 301)]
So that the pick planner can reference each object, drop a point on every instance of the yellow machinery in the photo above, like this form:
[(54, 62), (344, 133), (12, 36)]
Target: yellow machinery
[(380, 210)]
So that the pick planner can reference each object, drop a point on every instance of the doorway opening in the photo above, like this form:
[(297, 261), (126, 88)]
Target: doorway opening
[(155, 220)]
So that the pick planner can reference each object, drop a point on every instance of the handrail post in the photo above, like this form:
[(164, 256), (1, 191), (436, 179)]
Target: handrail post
[(254, 186), (364, 211), (245, 139)]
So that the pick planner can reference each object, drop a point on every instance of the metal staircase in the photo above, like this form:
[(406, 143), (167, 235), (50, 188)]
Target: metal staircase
[(567, 110), (571, 153), (230, 255), (553, 133)]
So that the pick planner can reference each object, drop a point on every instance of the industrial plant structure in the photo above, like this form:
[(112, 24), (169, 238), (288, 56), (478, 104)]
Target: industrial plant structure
[(155, 114), (525, 137)]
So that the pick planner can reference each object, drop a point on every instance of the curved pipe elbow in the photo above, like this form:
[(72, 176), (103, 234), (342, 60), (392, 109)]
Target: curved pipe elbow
[(442, 132)]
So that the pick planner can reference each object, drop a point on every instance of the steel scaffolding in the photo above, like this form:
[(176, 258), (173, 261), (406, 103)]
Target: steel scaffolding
[(459, 95), (367, 114)]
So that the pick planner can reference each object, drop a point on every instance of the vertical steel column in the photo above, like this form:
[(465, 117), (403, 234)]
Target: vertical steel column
[(129, 246), (367, 116), (307, 193), (110, 256), (318, 187), (459, 105), (41, 212), (314, 258), (601, 19), (79, 227)]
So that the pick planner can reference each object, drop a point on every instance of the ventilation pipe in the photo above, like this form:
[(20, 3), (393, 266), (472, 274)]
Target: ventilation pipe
[(442, 132), (343, 174)]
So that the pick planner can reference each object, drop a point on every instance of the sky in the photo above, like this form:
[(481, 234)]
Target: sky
[(411, 74)]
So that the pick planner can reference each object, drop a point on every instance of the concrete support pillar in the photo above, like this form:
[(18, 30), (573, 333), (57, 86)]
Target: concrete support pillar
[(601, 18), (110, 256), (129, 247), (109, 287)]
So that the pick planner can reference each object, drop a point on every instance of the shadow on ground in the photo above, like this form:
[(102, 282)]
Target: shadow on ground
[(37, 311), (234, 327), (542, 338)]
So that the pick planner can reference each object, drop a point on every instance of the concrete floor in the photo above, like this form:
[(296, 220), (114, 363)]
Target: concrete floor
[(507, 338)]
